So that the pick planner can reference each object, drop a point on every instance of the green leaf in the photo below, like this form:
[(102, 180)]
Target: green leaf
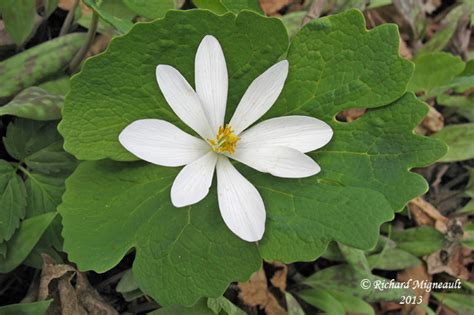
[(442, 36), (45, 166), (38, 145), (12, 200), (342, 278), (459, 140), (34, 103), (200, 308), (322, 300), (293, 306), (36, 64), (175, 247), (150, 9), (352, 304), (90, 124), (224, 6), (419, 241), (393, 259), (221, 304), (19, 17), (49, 7), (57, 86), (434, 70), (355, 258), (3, 250), (121, 24), (23, 241), (128, 287), (293, 22), (235, 6), (469, 240), (34, 308), (458, 302)]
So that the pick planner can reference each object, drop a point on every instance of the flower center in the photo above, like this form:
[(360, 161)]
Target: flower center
[(225, 141)]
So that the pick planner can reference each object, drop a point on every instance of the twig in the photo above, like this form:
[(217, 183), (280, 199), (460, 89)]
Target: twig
[(69, 18), (76, 61), (314, 11)]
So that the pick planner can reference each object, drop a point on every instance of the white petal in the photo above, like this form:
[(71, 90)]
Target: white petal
[(260, 96), (183, 100), (159, 142), (240, 203), (301, 133), (278, 161), (193, 181), (211, 80)]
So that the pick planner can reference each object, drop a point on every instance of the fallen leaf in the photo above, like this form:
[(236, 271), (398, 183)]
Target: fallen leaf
[(452, 259), (72, 293), (255, 293), (433, 122), (100, 43), (351, 114), (418, 273), (67, 5), (271, 7), (429, 214), (278, 279), (405, 52)]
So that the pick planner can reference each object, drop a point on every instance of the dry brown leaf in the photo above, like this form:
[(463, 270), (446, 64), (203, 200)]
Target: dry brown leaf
[(70, 304), (352, 114), (433, 122), (415, 273), (50, 272), (405, 52), (99, 45), (278, 279), (271, 7), (429, 214), (79, 299), (452, 259), (67, 5), (255, 293)]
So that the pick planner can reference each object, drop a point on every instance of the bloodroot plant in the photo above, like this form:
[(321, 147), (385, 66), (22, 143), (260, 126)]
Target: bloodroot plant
[(259, 109)]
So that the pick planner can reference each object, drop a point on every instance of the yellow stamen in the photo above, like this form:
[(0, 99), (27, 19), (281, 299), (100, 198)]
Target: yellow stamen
[(226, 140)]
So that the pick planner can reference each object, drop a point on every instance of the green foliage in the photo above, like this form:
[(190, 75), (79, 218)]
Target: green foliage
[(150, 9), (222, 305), (19, 17), (419, 241), (35, 308), (393, 259), (34, 103), (23, 241), (37, 64), (442, 37), (123, 25), (335, 64), (292, 305), (92, 136), (175, 247), (12, 200), (459, 140), (224, 6), (43, 163), (321, 299), (461, 303), (434, 70), (200, 308)]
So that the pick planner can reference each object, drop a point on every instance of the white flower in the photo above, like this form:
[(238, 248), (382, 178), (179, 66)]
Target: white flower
[(274, 146)]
